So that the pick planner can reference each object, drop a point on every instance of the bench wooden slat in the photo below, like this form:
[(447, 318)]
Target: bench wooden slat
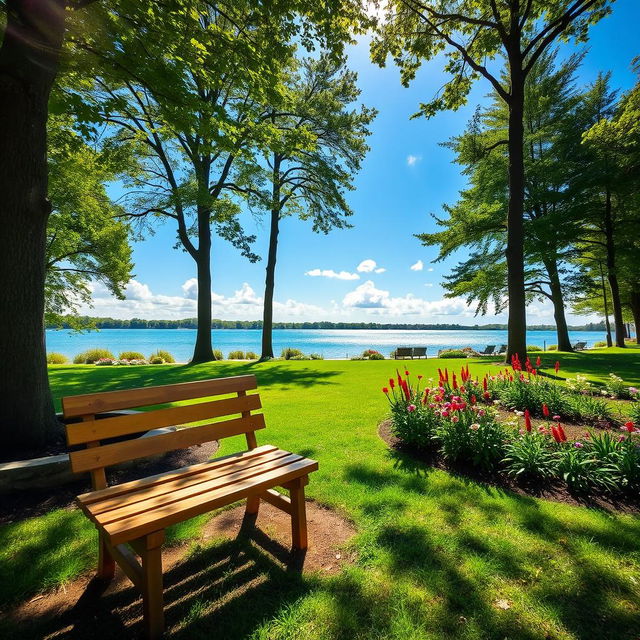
[(128, 510), (92, 403), (162, 488), (110, 454), (168, 476), (142, 524), (96, 430)]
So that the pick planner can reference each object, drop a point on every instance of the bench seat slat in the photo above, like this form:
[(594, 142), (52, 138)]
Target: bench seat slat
[(132, 508), (168, 476), (92, 403), (162, 517), (96, 430), (110, 454), (183, 482)]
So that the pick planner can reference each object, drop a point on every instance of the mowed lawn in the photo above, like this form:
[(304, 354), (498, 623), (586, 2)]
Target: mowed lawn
[(437, 556)]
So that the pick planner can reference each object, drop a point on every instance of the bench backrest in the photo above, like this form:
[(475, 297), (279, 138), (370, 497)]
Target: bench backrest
[(419, 351), (404, 351), (222, 417)]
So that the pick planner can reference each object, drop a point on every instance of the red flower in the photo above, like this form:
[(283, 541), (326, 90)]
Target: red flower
[(486, 395), (392, 383), (561, 433), (555, 434), (545, 411), (557, 366), (385, 390), (406, 373), (455, 381), (484, 383), (473, 399), (538, 361), (419, 377), (527, 420), (630, 426), (405, 389)]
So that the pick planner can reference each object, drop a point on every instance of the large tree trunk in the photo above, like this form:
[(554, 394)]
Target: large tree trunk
[(267, 314), (203, 350), (562, 330), (612, 275), (635, 310), (28, 66), (517, 322), (606, 308)]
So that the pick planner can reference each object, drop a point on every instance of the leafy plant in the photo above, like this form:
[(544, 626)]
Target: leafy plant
[(552, 347), (57, 358), (316, 356), (156, 360), (589, 408), (530, 456), (251, 355), (376, 356), (288, 353), (533, 348), (106, 362), (91, 356), (634, 412), (300, 357), (218, 355), (165, 355), (616, 387), (452, 353), (579, 384), (600, 343), (236, 355), (131, 355)]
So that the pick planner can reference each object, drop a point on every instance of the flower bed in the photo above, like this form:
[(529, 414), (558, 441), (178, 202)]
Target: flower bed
[(458, 419)]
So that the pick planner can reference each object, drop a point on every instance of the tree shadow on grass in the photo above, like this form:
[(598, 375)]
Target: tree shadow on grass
[(75, 380)]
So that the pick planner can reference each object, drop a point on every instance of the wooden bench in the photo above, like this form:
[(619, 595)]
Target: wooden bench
[(131, 517)]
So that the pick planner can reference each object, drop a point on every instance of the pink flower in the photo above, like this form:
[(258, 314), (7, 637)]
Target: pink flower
[(411, 408), (482, 412), (578, 445), (542, 429), (445, 414), (556, 418), (474, 427), (455, 419)]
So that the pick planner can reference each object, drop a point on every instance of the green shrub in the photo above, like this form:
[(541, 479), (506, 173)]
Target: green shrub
[(616, 387), (165, 355), (521, 395), (530, 457), (415, 428), (300, 356), (57, 358), (585, 407), (316, 356), (156, 360), (91, 356), (218, 355), (131, 355), (236, 355), (289, 353), (634, 412), (600, 343), (452, 353), (357, 358), (252, 355), (372, 354), (376, 356), (106, 362), (533, 348), (580, 468), (552, 347)]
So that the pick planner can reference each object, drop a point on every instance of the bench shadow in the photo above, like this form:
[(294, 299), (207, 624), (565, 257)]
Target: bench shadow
[(223, 590)]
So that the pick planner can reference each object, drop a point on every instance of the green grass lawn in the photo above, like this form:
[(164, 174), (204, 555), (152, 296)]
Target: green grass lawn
[(437, 555)]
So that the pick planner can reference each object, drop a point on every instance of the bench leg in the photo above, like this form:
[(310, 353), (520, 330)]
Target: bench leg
[(253, 504), (106, 563), (298, 514), (152, 599)]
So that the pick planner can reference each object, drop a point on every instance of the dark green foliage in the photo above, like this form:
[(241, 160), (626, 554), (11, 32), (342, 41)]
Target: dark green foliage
[(530, 457), (131, 355), (452, 353), (165, 355), (57, 358), (236, 355), (588, 408), (289, 353), (414, 428)]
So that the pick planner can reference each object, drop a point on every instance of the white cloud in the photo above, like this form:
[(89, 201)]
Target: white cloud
[(378, 301), (428, 284), (412, 160), (190, 288), (418, 266), (430, 269), (370, 266), (330, 273)]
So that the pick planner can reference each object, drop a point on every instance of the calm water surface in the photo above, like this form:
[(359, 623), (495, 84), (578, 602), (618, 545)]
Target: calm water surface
[(330, 343)]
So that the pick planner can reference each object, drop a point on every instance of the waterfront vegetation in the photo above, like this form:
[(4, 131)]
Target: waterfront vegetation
[(438, 554)]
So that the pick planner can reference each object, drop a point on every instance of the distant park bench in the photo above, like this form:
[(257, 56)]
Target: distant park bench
[(131, 517), (402, 353), (489, 350), (579, 346)]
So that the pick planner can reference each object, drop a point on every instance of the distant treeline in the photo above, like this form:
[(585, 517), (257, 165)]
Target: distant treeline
[(192, 323)]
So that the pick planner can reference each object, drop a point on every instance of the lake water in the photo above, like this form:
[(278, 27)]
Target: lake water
[(330, 343)]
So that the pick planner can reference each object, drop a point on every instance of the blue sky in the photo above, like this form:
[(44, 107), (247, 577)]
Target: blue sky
[(405, 177)]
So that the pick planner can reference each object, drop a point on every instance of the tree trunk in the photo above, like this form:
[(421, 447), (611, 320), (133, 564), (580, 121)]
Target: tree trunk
[(267, 314), (612, 275), (28, 66), (606, 308), (203, 350), (562, 330), (635, 310), (517, 322)]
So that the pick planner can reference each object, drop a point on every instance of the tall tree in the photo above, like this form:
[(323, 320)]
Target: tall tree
[(319, 147), (478, 220), (471, 32), (32, 35)]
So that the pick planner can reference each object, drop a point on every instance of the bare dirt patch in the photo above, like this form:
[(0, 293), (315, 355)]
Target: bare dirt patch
[(228, 570), (556, 492)]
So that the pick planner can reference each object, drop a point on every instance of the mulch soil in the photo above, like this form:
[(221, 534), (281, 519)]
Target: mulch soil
[(248, 560), (553, 491)]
